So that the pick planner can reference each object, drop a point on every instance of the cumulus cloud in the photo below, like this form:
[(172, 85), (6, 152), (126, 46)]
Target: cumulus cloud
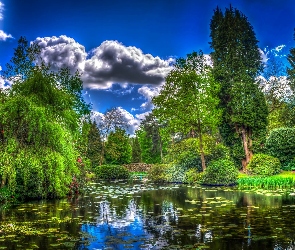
[(109, 63), (112, 62), (62, 52), (132, 122), (148, 93)]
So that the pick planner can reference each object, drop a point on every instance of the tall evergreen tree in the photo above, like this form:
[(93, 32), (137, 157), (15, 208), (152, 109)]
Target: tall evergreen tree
[(136, 150), (94, 145), (291, 70), (237, 62)]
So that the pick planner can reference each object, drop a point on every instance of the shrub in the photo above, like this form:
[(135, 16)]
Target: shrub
[(111, 172), (264, 165), (157, 172), (290, 166), (220, 172), (193, 176), (281, 144)]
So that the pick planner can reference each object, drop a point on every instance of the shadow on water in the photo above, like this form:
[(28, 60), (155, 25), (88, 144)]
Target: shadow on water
[(120, 215)]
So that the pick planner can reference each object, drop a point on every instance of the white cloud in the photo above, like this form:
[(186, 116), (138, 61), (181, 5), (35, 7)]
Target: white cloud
[(148, 93), (279, 86), (1, 10), (109, 63), (62, 52), (112, 62), (142, 116), (4, 36), (280, 47), (263, 55), (132, 122)]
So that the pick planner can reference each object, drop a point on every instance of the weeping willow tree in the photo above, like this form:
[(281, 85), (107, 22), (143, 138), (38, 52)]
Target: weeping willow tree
[(39, 120)]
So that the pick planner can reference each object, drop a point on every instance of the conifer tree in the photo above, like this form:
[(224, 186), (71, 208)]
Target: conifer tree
[(136, 150), (237, 62)]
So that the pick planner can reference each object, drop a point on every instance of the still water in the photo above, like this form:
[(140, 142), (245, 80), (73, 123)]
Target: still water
[(119, 215)]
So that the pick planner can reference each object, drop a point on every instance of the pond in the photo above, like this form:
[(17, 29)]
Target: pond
[(119, 215)]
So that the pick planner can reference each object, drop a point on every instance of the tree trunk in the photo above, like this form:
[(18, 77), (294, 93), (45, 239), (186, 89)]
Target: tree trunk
[(246, 144), (201, 146), (102, 153)]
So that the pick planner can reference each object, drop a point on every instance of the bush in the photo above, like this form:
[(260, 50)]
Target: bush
[(263, 165), (157, 172), (281, 144), (107, 172), (290, 166), (220, 172), (193, 176)]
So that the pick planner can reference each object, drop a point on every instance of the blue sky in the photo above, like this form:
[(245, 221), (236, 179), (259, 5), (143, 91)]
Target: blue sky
[(126, 48)]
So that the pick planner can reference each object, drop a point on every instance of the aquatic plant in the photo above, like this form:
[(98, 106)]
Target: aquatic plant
[(266, 182)]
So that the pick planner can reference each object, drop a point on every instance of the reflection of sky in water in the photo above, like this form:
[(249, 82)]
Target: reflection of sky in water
[(114, 232)]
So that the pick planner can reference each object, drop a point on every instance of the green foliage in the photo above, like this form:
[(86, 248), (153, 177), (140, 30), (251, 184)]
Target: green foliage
[(189, 99), (291, 69), (157, 172), (193, 176), (151, 140), (281, 144), (94, 145), (186, 152), (107, 172), (290, 166), (272, 182), (136, 150), (220, 172), (118, 149), (237, 62), (264, 165), (39, 120)]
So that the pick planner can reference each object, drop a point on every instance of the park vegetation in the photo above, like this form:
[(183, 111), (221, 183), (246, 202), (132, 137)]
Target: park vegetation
[(211, 119)]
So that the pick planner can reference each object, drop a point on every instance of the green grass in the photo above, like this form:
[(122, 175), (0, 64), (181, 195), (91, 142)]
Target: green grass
[(286, 179)]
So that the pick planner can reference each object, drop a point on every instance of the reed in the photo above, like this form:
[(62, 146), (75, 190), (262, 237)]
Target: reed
[(271, 182)]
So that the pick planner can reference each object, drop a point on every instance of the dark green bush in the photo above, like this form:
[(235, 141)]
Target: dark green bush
[(220, 172), (193, 176), (281, 144), (107, 172), (264, 165), (290, 166), (157, 172)]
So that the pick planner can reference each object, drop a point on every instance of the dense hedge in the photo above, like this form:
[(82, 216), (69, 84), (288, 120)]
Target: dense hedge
[(281, 144), (111, 172), (264, 165), (220, 172)]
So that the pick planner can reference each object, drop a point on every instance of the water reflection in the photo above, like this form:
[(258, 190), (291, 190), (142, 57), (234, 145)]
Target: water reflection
[(121, 215)]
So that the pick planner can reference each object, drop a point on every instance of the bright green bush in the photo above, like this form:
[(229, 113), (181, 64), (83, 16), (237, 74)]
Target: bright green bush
[(111, 172), (281, 144), (263, 165), (157, 172), (193, 176), (220, 172)]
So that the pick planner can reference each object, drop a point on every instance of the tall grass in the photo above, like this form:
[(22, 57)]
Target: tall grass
[(271, 182)]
